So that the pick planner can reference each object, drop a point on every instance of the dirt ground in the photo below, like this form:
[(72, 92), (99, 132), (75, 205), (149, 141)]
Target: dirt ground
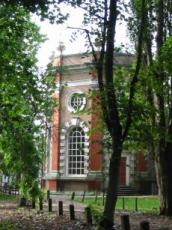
[(156, 222), (29, 219)]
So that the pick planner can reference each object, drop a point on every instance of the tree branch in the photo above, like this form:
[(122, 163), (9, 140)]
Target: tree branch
[(137, 70), (99, 62), (114, 123), (89, 40)]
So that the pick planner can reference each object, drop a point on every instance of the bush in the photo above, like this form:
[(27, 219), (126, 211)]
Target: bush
[(96, 213)]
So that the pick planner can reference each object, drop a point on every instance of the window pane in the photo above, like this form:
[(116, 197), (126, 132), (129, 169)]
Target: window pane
[(77, 101), (76, 151)]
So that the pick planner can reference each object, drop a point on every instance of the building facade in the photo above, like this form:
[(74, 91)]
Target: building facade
[(75, 158)]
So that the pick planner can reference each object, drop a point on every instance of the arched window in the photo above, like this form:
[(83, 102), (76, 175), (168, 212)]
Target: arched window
[(76, 143)]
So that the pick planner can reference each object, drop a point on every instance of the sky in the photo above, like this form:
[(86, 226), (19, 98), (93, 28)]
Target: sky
[(61, 33)]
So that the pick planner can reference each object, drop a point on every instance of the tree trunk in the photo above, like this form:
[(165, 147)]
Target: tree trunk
[(163, 165), (112, 191), (163, 158)]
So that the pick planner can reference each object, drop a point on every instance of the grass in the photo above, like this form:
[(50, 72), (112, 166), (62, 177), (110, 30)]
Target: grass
[(4, 197), (139, 203), (144, 204), (8, 224)]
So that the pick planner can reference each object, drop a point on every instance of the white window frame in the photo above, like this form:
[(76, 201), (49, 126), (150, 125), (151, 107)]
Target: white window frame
[(75, 155), (63, 170), (70, 107)]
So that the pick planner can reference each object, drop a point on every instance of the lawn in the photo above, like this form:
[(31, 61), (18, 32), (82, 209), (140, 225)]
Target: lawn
[(4, 197), (130, 203)]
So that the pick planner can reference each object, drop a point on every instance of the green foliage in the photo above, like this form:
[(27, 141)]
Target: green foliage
[(5, 198), (166, 53), (46, 9), (139, 133), (9, 224), (23, 98), (96, 213)]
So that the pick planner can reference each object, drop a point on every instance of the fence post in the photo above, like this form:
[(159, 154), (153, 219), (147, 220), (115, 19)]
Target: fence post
[(125, 222), (96, 197), (83, 197), (72, 212), (103, 199), (48, 194), (60, 208), (144, 225), (50, 205), (73, 196), (33, 203), (88, 215), (123, 203), (40, 204), (136, 204)]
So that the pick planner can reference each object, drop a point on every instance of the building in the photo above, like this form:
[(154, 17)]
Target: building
[(74, 158)]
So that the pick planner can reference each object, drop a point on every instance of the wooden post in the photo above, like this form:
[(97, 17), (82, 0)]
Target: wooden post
[(136, 204), (123, 203), (144, 225), (60, 208), (72, 212), (125, 222), (96, 197), (33, 203), (103, 198), (50, 205), (83, 197), (88, 215), (22, 202), (40, 204), (48, 194), (73, 196)]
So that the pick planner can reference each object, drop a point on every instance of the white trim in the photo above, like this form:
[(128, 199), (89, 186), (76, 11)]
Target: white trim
[(62, 151), (129, 167), (127, 170), (87, 82), (62, 157), (75, 122), (63, 131), (68, 101), (51, 175), (74, 178), (62, 144), (51, 149), (86, 150), (86, 143), (86, 137), (86, 171), (62, 137), (67, 125)]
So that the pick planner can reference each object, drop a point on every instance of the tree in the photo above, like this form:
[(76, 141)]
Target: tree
[(103, 14), (157, 67), (22, 96), (158, 87), (45, 9)]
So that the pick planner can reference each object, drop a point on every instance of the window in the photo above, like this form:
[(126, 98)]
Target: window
[(76, 151), (76, 102)]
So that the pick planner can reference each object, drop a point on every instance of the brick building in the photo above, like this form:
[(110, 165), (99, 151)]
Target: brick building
[(74, 158)]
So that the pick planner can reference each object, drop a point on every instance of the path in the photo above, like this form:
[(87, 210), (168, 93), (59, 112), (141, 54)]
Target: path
[(29, 219), (156, 222)]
